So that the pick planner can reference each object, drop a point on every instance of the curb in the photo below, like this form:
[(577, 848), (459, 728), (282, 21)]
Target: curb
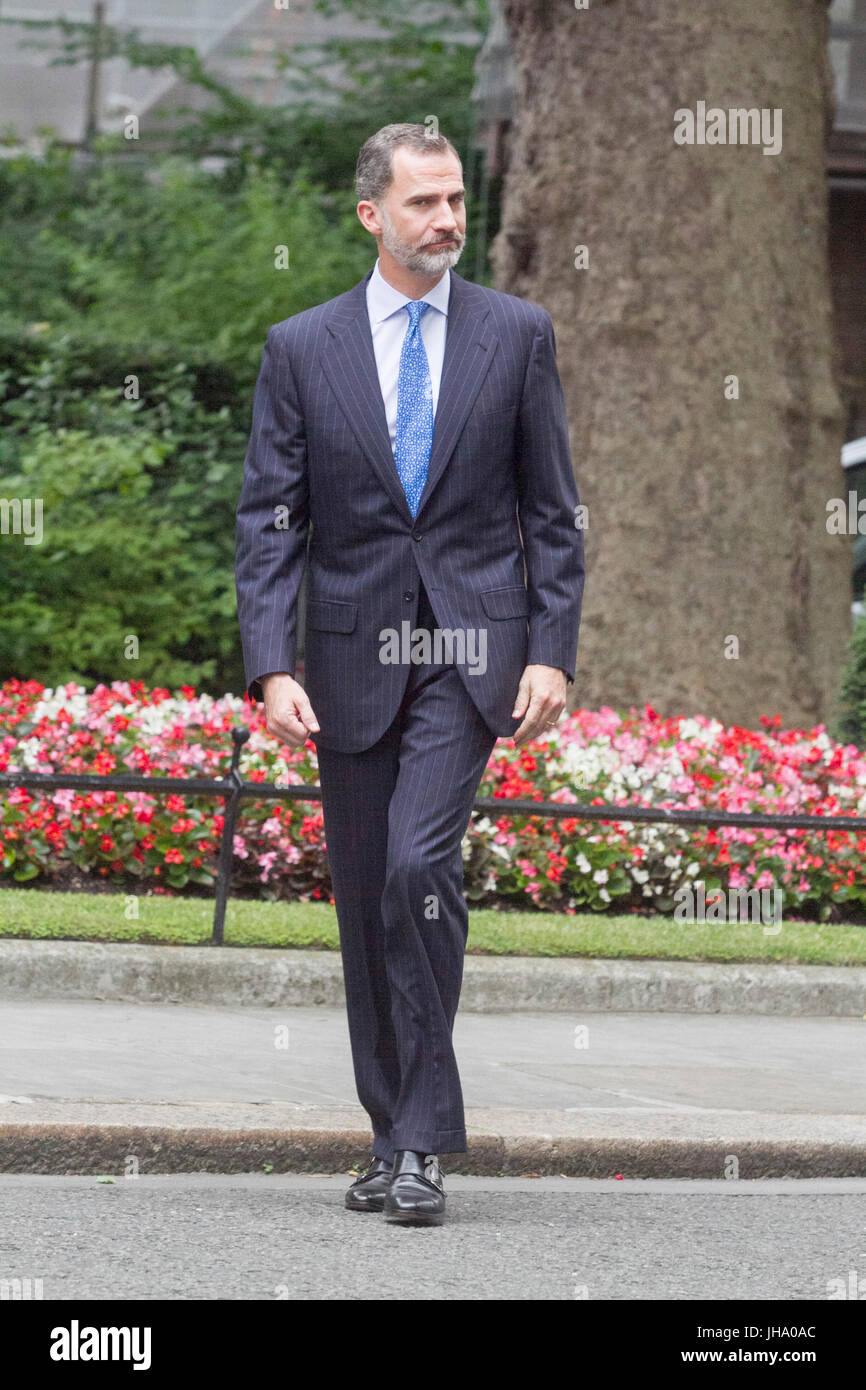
[(266, 978), (106, 1150)]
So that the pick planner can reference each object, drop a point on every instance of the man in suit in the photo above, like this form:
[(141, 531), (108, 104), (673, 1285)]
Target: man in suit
[(417, 424)]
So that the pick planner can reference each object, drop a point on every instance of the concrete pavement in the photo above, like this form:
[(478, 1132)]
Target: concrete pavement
[(256, 977), (105, 1087)]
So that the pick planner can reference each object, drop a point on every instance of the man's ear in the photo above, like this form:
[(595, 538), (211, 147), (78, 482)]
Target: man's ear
[(369, 217)]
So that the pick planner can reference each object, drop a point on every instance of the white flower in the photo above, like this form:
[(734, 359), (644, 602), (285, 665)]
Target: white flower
[(600, 876), (583, 863), (639, 875), (693, 868), (50, 705), (690, 728), (28, 753), (588, 764), (604, 895)]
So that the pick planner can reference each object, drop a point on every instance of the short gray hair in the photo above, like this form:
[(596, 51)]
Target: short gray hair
[(374, 170)]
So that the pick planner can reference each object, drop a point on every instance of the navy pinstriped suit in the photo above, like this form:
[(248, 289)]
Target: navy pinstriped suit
[(402, 747)]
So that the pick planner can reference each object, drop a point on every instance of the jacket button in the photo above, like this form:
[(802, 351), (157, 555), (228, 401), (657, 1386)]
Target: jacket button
[(409, 595), (416, 535)]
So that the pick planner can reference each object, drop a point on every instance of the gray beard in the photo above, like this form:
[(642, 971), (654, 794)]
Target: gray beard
[(420, 261)]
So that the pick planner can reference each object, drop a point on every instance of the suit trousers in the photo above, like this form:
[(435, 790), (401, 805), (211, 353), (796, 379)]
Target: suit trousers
[(395, 815)]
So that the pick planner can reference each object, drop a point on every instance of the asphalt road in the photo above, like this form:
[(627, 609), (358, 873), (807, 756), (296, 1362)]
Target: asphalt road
[(262, 1237)]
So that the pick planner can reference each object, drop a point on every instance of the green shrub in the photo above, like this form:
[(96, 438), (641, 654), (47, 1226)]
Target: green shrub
[(138, 500), (850, 724)]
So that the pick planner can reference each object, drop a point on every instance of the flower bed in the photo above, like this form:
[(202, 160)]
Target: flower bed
[(596, 756)]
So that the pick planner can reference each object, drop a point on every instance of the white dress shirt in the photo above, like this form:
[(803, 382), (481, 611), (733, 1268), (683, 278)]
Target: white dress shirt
[(388, 325)]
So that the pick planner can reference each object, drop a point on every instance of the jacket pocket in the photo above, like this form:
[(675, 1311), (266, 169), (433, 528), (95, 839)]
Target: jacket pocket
[(330, 615), (512, 602)]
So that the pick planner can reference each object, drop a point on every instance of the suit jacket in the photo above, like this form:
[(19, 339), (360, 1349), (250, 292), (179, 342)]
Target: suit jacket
[(495, 541)]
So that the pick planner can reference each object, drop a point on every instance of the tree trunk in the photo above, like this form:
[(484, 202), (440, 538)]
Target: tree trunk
[(713, 585)]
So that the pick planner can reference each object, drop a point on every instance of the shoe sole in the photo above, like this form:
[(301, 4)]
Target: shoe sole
[(415, 1218), (365, 1206)]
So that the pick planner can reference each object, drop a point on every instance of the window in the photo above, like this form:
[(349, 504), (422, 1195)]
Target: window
[(848, 60)]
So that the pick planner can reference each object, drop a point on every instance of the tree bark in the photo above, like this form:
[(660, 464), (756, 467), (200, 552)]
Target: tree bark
[(713, 586)]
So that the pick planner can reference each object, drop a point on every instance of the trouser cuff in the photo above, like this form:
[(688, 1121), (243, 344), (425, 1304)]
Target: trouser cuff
[(429, 1141)]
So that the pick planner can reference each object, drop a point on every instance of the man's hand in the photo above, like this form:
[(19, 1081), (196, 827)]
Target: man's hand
[(541, 698), (288, 713)]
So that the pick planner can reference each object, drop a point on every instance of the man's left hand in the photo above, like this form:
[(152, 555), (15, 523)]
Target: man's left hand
[(541, 699)]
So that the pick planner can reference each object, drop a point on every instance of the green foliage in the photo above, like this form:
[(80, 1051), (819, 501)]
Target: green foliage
[(138, 500), (173, 284), (850, 726), (131, 264), (171, 257), (204, 269)]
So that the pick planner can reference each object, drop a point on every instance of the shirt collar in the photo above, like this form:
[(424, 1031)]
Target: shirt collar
[(383, 300)]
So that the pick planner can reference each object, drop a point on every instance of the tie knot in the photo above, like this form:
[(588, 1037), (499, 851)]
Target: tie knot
[(416, 308)]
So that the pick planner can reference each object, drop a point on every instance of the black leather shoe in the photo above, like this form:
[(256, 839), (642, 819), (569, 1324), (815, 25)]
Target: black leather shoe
[(416, 1192), (367, 1192)]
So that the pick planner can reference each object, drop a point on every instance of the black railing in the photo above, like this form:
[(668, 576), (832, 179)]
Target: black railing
[(233, 789)]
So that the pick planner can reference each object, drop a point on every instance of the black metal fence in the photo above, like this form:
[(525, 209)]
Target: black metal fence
[(233, 789)]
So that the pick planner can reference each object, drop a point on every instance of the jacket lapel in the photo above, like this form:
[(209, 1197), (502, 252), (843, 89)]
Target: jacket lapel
[(349, 363)]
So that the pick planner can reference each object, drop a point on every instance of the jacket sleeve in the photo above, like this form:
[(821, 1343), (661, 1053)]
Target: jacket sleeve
[(272, 521), (547, 510)]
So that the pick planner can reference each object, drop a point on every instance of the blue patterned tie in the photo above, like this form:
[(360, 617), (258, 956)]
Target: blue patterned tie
[(414, 433)]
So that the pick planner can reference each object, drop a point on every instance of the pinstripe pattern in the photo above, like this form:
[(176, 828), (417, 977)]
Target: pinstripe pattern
[(395, 816), (499, 490), (403, 747)]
